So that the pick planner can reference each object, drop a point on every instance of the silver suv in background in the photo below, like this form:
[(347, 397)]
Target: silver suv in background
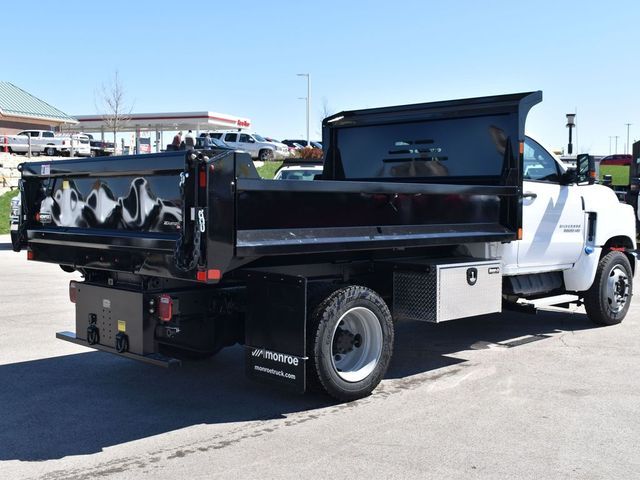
[(257, 146)]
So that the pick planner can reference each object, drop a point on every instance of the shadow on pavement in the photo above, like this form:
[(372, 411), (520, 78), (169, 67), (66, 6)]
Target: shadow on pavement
[(80, 404), (6, 246)]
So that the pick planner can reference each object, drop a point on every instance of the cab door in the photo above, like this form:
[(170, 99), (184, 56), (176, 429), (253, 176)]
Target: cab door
[(552, 214)]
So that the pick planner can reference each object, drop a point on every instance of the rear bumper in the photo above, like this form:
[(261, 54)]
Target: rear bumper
[(152, 359)]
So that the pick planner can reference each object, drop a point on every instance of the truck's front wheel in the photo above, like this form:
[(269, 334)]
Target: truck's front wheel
[(607, 301), (350, 342)]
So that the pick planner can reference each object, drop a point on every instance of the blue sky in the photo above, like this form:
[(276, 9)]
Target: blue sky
[(242, 58)]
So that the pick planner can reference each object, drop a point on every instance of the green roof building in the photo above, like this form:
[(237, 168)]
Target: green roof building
[(19, 110)]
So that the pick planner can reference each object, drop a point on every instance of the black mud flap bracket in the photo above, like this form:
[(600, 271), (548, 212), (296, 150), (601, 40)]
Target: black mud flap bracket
[(275, 329)]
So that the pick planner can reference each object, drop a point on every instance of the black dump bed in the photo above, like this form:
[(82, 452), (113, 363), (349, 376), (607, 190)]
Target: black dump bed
[(404, 177)]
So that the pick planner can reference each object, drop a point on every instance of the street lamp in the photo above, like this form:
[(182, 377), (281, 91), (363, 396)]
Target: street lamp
[(571, 122), (628, 147), (308, 102)]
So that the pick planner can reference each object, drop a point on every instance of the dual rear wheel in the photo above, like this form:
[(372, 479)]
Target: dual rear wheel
[(350, 343)]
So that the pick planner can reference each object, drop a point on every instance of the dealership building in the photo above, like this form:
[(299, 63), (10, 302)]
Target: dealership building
[(19, 110)]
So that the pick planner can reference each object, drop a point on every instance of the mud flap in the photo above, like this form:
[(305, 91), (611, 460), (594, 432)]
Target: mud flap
[(275, 335)]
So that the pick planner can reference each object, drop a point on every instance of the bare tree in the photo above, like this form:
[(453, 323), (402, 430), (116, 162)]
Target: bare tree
[(114, 106), (325, 110)]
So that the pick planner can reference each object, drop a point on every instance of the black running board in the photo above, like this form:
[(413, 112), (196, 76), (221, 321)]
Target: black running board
[(154, 359)]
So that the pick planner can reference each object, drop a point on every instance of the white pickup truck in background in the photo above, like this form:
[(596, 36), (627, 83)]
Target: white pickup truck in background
[(46, 142)]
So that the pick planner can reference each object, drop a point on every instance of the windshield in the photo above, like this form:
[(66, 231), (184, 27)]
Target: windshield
[(259, 138)]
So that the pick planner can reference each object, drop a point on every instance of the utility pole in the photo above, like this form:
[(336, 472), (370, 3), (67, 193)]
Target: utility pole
[(308, 102), (610, 137), (616, 137), (628, 147)]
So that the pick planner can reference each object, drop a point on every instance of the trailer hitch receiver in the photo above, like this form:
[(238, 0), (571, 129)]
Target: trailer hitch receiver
[(122, 342), (93, 334)]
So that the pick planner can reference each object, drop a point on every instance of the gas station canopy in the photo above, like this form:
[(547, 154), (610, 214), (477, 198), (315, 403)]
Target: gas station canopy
[(160, 122)]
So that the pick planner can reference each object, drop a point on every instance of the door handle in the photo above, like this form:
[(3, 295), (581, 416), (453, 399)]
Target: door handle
[(529, 195)]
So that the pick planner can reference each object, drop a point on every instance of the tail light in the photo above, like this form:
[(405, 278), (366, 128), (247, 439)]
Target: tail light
[(165, 308), (73, 291)]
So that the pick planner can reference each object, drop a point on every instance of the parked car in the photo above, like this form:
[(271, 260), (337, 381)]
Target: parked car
[(41, 141), (81, 145), (257, 146), (301, 143), (216, 142), (298, 172), (100, 148)]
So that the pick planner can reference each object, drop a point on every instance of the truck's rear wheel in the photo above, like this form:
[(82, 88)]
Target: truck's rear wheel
[(350, 343), (50, 151), (607, 301)]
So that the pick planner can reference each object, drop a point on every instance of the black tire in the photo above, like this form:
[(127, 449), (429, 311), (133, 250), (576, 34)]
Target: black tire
[(265, 155), (325, 341), (607, 301), (92, 153), (50, 151)]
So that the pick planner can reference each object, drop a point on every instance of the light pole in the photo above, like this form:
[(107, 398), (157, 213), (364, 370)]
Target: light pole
[(626, 150), (616, 137), (308, 102), (610, 137), (571, 122)]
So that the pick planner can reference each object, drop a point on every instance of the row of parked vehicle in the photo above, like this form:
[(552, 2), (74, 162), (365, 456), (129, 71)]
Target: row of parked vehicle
[(46, 142), (259, 147)]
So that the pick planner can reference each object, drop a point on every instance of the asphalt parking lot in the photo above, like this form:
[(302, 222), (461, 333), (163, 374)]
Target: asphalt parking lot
[(512, 396)]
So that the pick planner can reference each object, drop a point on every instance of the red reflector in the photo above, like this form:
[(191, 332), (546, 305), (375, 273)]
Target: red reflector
[(617, 249), (214, 274), (165, 308), (201, 276), (73, 291), (203, 179), (30, 255), (38, 217)]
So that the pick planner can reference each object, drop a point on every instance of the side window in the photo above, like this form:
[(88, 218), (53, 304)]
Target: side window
[(538, 164), (244, 138), (216, 135), (48, 134), (231, 137)]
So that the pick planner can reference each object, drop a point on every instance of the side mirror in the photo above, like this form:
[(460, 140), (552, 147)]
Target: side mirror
[(569, 177), (585, 169)]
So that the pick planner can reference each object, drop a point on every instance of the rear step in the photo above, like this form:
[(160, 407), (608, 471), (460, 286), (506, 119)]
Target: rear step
[(156, 359)]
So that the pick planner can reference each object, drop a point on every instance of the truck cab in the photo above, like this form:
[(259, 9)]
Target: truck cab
[(567, 227)]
